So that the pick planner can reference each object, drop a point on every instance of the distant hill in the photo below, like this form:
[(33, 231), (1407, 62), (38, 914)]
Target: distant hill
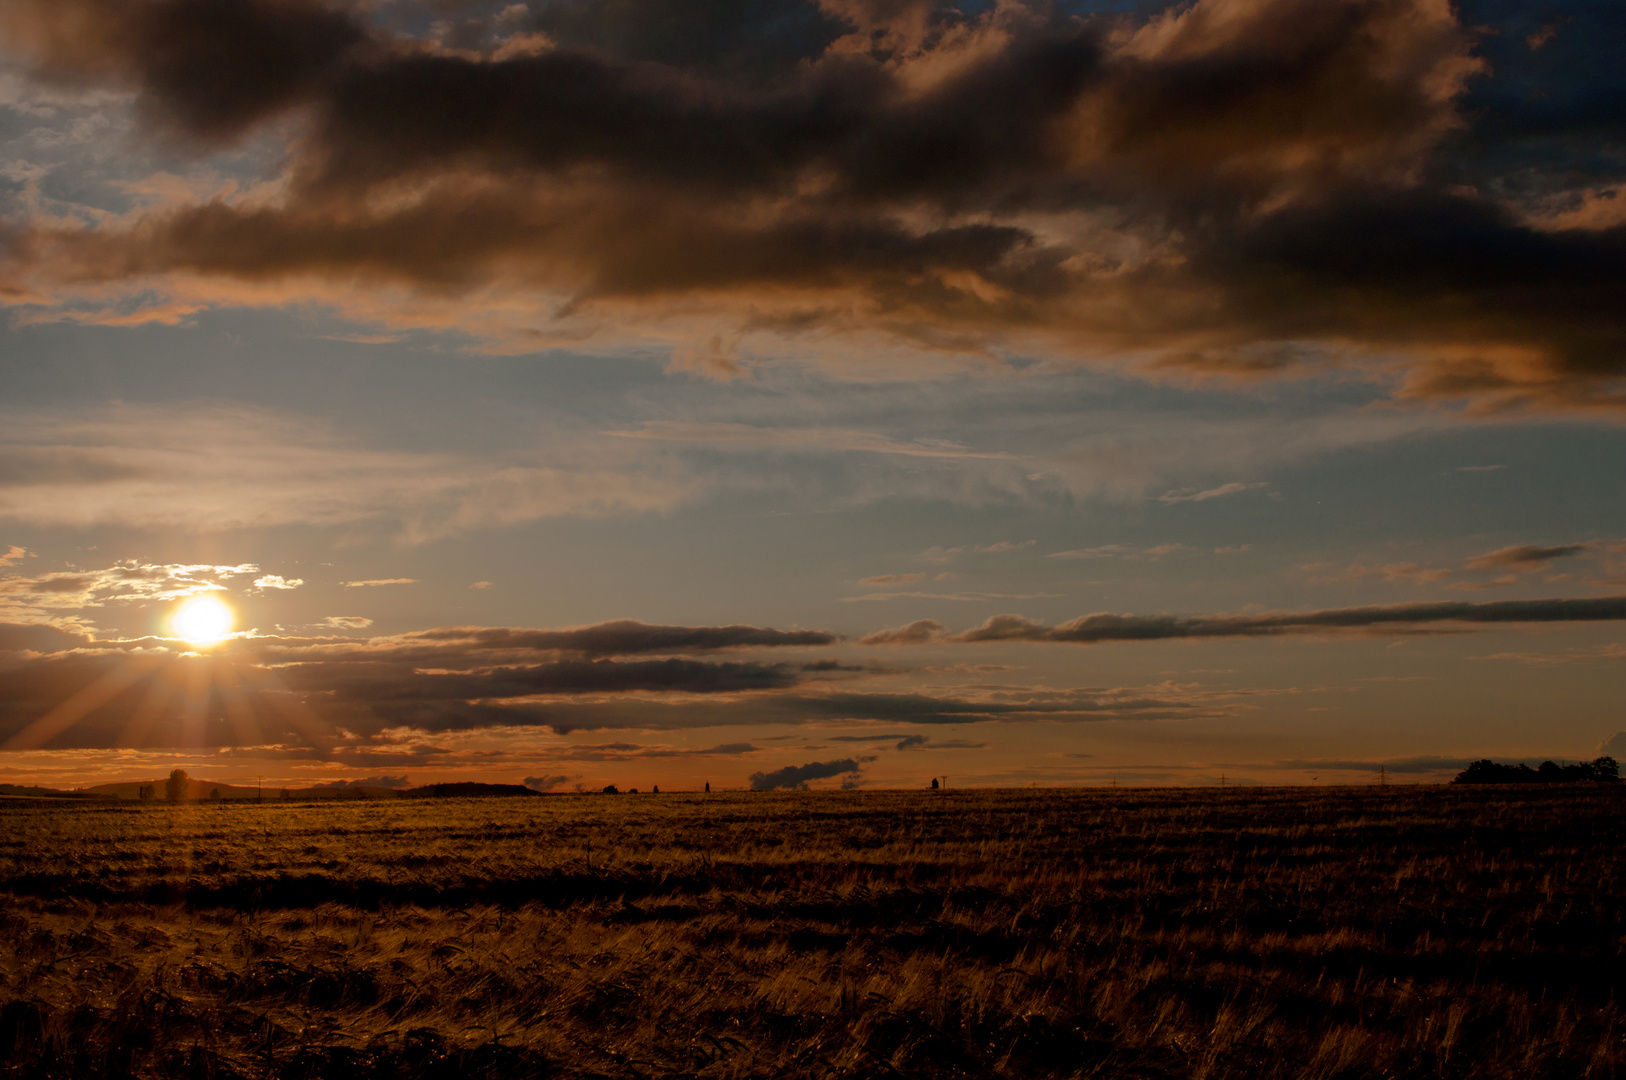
[(204, 791), (467, 790), (18, 791), (195, 789)]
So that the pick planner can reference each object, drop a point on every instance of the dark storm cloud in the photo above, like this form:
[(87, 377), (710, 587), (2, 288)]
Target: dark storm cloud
[(209, 68), (797, 776), (1230, 185), (1393, 618)]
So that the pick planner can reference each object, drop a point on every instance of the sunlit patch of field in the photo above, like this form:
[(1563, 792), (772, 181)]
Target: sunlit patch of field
[(1346, 933)]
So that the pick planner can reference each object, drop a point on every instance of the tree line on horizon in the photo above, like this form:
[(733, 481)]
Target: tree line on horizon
[(1485, 771)]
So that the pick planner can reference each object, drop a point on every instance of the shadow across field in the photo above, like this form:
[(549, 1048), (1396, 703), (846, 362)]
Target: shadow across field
[(1342, 933)]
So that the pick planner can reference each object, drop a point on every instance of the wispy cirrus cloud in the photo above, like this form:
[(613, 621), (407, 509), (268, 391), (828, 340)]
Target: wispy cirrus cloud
[(1121, 551), (1393, 572), (206, 468), (1235, 487), (957, 597), (749, 437)]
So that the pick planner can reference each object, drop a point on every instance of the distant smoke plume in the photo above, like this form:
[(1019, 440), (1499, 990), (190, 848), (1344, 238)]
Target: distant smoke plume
[(797, 776)]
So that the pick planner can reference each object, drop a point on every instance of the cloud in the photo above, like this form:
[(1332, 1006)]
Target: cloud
[(546, 783), (919, 632), (797, 776), (1193, 495), (25, 637), (376, 582), (1227, 188), (1421, 764), (480, 585), (347, 622), (62, 688), (1393, 618), (623, 636), (1612, 651), (277, 581), (1614, 746), (959, 597), (1412, 572), (1105, 551), (208, 468), (14, 554), (1523, 557), (394, 782), (891, 579), (381, 703), (746, 437), (50, 596), (1119, 551)]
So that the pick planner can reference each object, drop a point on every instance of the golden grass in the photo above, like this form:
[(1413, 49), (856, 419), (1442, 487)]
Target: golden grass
[(1344, 933)]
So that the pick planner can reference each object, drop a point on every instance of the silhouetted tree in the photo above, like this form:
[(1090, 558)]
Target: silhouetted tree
[(708, 787), (934, 783), (175, 786), (611, 789), (1485, 771), (145, 793), (214, 794)]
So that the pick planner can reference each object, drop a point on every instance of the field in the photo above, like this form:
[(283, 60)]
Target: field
[(1335, 933)]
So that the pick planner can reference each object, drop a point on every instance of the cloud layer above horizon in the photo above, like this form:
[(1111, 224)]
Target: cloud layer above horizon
[(1422, 195), (340, 698)]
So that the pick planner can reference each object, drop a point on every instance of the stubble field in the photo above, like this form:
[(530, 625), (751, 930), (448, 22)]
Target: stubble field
[(1338, 933)]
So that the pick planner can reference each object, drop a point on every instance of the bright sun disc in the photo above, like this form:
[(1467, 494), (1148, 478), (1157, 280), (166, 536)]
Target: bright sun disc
[(202, 620)]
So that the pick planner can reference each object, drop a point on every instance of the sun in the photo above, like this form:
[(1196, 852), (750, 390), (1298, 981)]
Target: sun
[(202, 620)]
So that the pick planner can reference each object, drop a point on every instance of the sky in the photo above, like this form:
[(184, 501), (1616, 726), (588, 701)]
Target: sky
[(840, 393)]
